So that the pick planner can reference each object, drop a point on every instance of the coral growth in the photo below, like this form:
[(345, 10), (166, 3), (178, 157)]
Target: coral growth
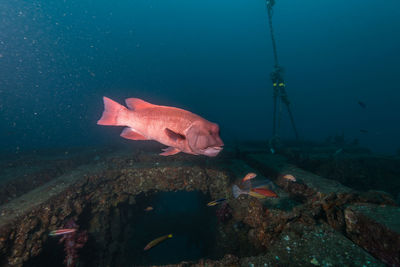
[(72, 242), (224, 213)]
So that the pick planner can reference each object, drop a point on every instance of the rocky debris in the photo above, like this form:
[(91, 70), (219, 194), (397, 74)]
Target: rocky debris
[(224, 213), (327, 200), (317, 245), (375, 228), (228, 260)]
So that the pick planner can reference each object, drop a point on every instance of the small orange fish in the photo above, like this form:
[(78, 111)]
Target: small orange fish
[(260, 193), (289, 177), (249, 176), (264, 192), (62, 231), (149, 208)]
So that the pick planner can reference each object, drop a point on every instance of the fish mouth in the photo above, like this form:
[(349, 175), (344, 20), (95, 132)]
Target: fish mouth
[(215, 148), (212, 151)]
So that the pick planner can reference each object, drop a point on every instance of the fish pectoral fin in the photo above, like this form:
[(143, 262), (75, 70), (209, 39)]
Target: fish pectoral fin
[(129, 133), (173, 135), (170, 151), (136, 103)]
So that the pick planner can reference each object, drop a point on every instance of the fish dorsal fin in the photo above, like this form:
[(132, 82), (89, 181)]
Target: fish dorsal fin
[(136, 103)]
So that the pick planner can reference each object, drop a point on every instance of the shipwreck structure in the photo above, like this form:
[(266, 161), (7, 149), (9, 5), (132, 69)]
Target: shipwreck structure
[(315, 221)]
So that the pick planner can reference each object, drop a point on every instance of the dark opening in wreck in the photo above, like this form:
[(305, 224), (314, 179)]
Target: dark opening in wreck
[(182, 214), (128, 227)]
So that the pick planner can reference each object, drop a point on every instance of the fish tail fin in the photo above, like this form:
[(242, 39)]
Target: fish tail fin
[(236, 191), (114, 113), (170, 235)]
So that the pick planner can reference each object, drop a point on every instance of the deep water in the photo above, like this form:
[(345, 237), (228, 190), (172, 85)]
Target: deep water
[(57, 60)]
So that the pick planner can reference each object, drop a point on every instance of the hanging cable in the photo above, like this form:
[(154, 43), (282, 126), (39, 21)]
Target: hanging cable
[(270, 4), (279, 92)]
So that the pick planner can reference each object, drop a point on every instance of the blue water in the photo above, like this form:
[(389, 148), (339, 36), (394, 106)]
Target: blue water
[(58, 58)]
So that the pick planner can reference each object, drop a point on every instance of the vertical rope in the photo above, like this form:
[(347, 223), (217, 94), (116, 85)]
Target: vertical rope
[(270, 4), (280, 96)]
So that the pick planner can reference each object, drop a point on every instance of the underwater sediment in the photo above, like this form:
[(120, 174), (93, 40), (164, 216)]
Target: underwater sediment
[(315, 221)]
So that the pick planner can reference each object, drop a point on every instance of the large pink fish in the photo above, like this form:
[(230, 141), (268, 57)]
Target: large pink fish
[(180, 130)]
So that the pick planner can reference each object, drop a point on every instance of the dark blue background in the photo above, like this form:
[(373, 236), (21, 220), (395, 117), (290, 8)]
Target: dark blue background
[(58, 58)]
